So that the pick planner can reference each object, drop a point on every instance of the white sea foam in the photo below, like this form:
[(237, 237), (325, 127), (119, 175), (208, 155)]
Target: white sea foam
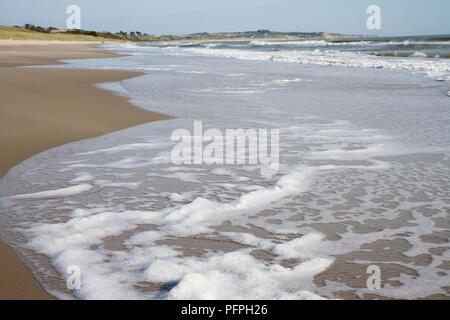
[(125, 147), (82, 177), (155, 230), (229, 197), (70, 243), (430, 67), (287, 81), (305, 43), (419, 54), (235, 275)]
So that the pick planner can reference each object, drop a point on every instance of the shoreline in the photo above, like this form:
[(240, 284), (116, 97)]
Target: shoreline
[(46, 108)]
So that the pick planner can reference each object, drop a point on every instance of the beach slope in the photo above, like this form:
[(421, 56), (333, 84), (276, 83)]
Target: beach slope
[(45, 108)]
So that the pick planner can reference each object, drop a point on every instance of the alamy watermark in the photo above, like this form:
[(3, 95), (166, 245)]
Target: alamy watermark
[(236, 146), (74, 277), (74, 20), (374, 280), (374, 19)]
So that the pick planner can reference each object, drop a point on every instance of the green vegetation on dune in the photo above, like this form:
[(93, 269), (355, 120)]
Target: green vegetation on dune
[(16, 33)]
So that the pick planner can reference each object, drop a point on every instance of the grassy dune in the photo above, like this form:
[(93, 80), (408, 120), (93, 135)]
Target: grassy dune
[(13, 33)]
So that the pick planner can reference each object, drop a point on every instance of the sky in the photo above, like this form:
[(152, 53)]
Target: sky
[(398, 17)]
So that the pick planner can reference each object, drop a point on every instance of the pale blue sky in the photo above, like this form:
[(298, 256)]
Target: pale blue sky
[(398, 17)]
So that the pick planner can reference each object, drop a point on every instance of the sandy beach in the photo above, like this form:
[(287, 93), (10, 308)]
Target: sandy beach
[(45, 108)]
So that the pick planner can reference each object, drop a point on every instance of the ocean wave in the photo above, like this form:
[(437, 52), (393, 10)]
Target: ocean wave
[(303, 43), (430, 67)]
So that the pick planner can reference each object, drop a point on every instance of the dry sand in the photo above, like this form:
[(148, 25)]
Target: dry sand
[(44, 108)]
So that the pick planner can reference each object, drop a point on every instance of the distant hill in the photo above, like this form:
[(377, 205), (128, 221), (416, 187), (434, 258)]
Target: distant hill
[(246, 35), (51, 34)]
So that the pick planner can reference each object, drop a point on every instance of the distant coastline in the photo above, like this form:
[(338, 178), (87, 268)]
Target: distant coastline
[(31, 32), (37, 33)]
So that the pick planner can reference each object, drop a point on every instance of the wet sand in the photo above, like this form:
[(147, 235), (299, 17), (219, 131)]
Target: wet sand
[(45, 108)]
